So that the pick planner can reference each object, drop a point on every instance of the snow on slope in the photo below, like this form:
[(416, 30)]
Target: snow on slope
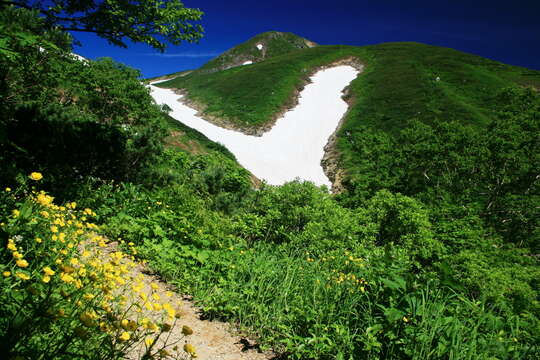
[(294, 147)]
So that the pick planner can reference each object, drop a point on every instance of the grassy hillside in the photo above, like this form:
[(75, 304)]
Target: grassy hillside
[(399, 83), (250, 95)]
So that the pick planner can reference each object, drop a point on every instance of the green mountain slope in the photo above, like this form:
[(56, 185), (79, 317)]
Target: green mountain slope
[(399, 83), (259, 48)]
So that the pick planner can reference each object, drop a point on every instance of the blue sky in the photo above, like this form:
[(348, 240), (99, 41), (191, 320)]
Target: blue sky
[(507, 31)]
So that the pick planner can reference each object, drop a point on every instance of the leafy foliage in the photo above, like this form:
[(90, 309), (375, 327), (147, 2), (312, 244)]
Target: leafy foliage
[(155, 23)]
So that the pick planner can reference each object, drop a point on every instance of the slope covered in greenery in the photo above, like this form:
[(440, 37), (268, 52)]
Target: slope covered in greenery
[(398, 267), (261, 47)]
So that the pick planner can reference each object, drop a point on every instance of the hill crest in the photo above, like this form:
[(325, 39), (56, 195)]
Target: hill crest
[(259, 48)]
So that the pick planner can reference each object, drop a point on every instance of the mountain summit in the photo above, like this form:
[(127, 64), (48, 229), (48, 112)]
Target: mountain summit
[(260, 47)]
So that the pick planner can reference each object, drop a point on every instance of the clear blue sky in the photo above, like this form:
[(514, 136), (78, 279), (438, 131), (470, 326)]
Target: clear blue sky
[(507, 31)]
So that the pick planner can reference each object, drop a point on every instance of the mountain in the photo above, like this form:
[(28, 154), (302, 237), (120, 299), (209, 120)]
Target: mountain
[(259, 48), (401, 82)]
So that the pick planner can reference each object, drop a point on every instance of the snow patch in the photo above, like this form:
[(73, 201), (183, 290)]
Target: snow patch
[(249, 62), (259, 46), (294, 147)]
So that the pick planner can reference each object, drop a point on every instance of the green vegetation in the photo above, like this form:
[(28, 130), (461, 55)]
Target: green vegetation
[(430, 254), (273, 43), (153, 22), (250, 95)]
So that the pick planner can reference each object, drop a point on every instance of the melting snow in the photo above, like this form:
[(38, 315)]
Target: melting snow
[(249, 62), (294, 147), (259, 46)]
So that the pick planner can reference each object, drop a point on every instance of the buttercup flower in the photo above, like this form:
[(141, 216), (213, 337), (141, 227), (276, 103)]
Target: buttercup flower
[(125, 336), (36, 176), (22, 263)]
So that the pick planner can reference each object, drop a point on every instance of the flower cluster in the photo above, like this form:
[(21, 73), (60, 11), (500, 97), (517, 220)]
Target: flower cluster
[(65, 288)]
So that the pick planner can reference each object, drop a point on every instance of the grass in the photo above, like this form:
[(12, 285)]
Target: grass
[(398, 84), (251, 95), (184, 137), (274, 44)]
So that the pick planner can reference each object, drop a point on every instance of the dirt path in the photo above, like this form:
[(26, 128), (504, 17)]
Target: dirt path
[(212, 340)]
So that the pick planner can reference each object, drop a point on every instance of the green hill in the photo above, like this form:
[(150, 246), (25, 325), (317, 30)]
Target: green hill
[(401, 82), (259, 48)]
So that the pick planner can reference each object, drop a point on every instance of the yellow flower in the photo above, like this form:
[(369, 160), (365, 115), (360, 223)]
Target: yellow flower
[(125, 336), (54, 229), (66, 278), (38, 240), (8, 189), (22, 276), (46, 279), (48, 271), (17, 255), (11, 246), (16, 213), (87, 319), (6, 274), (149, 341), (44, 199), (22, 263), (190, 349), (154, 286), (405, 319), (36, 176), (44, 214)]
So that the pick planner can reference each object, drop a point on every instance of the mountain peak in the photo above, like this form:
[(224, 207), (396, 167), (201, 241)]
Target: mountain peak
[(260, 47)]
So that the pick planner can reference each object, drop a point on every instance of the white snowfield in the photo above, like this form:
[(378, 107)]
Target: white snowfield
[(294, 147), (259, 46), (249, 62)]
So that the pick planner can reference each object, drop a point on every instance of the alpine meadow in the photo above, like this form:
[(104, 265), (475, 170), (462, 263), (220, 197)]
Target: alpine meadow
[(426, 246)]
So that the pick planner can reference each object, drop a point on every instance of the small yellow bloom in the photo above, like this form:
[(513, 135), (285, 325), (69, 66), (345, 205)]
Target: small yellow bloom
[(38, 240), (46, 278), (16, 213), (22, 276), (66, 278), (125, 336), (54, 229), (149, 341), (190, 349), (11, 246), (6, 274), (405, 319), (48, 271), (154, 286), (22, 263), (36, 176), (8, 189)]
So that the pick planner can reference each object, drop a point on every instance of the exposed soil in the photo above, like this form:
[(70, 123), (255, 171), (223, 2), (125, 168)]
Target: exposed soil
[(213, 340), (331, 159)]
